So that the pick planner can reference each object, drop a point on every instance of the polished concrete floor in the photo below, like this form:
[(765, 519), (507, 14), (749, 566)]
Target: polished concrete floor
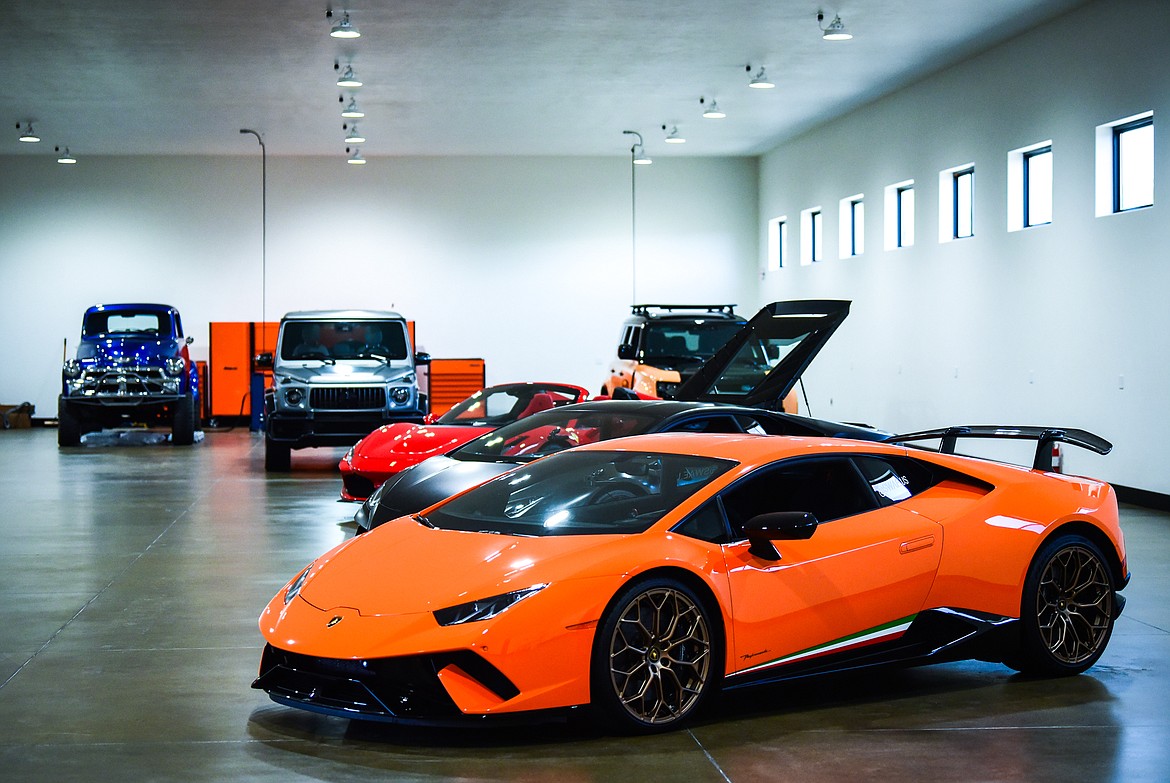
[(132, 573)]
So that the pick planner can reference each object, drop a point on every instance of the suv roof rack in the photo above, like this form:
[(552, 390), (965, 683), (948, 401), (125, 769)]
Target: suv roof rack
[(1044, 437), (644, 309)]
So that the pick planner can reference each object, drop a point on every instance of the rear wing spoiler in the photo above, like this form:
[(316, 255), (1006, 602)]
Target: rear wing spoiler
[(1045, 437)]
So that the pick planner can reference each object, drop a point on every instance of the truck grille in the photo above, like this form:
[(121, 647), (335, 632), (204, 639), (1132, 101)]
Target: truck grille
[(348, 398)]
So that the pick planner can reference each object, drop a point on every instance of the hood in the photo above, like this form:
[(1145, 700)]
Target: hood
[(407, 568), (345, 371), (403, 439), (127, 350), (433, 480), (763, 361)]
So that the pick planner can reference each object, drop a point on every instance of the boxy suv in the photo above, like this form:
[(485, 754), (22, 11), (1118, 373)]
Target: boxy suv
[(132, 367), (663, 345), (338, 375)]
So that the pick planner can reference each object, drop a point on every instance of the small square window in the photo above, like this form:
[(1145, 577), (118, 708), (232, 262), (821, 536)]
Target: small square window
[(851, 222), (956, 203), (1133, 166), (811, 236), (1029, 177), (777, 243), (1125, 164), (899, 218)]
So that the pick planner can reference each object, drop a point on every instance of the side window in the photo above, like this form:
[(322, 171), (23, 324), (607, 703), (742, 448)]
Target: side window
[(707, 523), (828, 488), (894, 479), (719, 424), (751, 425)]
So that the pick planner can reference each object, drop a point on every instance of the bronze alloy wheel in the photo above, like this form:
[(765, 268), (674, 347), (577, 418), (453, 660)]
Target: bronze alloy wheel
[(1074, 605), (659, 655), (1067, 609)]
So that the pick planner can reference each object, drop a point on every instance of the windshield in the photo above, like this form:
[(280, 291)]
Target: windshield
[(553, 431), (383, 340), (580, 493), (697, 338), (505, 404), (129, 322)]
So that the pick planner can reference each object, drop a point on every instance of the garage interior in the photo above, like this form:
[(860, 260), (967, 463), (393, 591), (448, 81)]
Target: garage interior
[(500, 210)]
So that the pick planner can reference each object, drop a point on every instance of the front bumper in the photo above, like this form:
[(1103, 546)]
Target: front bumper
[(314, 428), (411, 689)]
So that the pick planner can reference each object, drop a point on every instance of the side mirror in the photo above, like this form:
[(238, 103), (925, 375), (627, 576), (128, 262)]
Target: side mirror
[(763, 529), (422, 357), (264, 361), (627, 351)]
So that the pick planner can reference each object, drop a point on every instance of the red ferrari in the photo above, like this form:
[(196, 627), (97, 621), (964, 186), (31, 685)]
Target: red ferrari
[(395, 447)]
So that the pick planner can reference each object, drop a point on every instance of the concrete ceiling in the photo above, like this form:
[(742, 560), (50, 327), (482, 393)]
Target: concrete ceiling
[(465, 77)]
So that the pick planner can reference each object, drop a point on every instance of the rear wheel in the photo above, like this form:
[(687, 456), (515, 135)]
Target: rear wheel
[(68, 425), (1067, 609), (655, 657)]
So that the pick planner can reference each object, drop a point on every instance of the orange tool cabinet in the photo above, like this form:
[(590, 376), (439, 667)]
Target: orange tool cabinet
[(233, 347), (453, 380)]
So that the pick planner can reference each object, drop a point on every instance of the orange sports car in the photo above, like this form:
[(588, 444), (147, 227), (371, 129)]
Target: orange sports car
[(637, 576)]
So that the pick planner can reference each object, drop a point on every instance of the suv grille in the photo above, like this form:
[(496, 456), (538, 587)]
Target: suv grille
[(348, 398)]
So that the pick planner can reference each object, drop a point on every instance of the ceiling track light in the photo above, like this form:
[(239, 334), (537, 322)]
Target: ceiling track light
[(351, 110), (673, 137), (64, 157), (347, 77), (712, 112), (343, 29), (835, 31), (28, 135), (352, 135), (638, 151), (355, 158), (760, 81)]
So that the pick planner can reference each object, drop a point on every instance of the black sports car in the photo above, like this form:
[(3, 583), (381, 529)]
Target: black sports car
[(737, 391)]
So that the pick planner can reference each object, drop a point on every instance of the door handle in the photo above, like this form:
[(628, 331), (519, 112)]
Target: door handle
[(914, 544)]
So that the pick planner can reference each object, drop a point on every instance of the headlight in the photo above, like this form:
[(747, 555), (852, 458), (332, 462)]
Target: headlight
[(72, 369), (401, 394), (483, 609), (175, 366), (297, 584), (294, 396)]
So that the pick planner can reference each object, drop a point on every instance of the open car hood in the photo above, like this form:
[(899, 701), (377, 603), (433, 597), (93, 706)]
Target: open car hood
[(761, 363)]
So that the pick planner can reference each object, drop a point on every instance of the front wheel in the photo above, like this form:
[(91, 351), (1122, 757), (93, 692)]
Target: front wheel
[(1067, 609), (655, 657), (184, 424), (68, 425), (277, 457)]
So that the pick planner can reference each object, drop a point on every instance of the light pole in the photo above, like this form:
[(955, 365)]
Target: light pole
[(637, 157)]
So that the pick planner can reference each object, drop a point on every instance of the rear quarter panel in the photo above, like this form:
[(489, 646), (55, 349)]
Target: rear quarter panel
[(991, 537)]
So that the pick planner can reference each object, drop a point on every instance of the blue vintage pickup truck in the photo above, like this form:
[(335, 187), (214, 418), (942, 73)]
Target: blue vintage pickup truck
[(132, 367)]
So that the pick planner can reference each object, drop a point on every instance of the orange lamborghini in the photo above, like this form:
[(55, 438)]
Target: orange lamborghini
[(637, 576)]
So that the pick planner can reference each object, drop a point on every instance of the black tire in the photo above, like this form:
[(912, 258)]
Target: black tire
[(1067, 609), (277, 457), (69, 427), (183, 424), (656, 657)]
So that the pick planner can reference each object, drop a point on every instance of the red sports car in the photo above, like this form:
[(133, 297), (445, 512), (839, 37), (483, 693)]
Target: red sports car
[(395, 447)]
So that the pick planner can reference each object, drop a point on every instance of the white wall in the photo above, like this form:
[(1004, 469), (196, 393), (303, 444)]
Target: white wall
[(1031, 327), (525, 262)]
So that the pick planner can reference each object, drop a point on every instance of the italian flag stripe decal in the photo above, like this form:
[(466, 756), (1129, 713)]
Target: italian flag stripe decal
[(881, 633)]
